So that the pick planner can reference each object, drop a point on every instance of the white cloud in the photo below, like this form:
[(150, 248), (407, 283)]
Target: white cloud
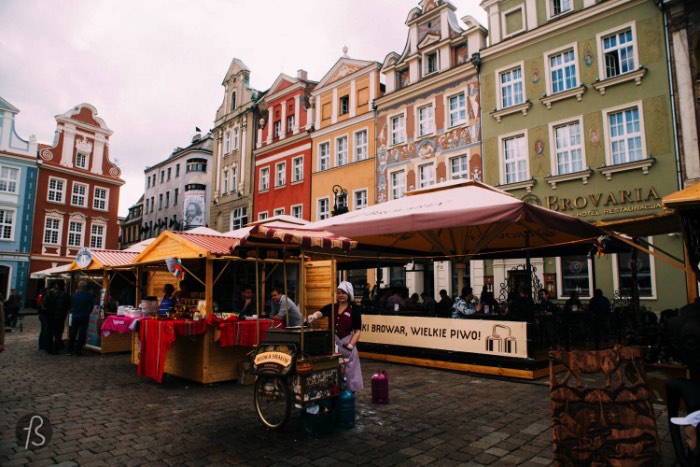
[(153, 69)]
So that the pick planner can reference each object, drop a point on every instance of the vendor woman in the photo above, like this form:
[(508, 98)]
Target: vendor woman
[(348, 323), (167, 304)]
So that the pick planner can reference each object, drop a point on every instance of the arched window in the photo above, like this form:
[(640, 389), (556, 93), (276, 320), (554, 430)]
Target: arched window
[(233, 101)]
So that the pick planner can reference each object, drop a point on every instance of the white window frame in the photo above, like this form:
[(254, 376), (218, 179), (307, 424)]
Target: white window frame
[(425, 126), (7, 179), (397, 136), (237, 216), (234, 179), (550, 8), (360, 205), (324, 158), (548, 67), (58, 229), (360, 148), (459, 111), (601, 52), (278, 212), (290, 123), (341, 154), (652, 269), (462, 173), (505, 13), (560, 280), (264, 179), (277, 129), (235, 141), (297, 169), (344, 105), (84, 195), (297, 210), (394, 188), (62, 191), (224, 179), (322, 213), (79, 235), (502, 156), (8, 220), (553, 150), (608, 139), (96, 200), (227, 142), (97, 240), (86, 160), (426, 175), (280, 174), (426, 62), (262, 215), (499, 85)]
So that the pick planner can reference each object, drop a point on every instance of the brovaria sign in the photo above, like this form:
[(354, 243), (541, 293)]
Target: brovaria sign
[(612, 202)]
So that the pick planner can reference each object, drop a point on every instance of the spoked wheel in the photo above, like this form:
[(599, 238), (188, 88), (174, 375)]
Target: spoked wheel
[(273, 401)]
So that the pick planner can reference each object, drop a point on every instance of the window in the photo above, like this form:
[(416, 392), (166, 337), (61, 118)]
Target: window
[(560, 6), (575, 277), (623, 268), (402, 79), (79, 192), (147, 204), (7, 224), (239, 218), (167, 199), (52, 231), (398, 184), (618, 53), (426, 175), (97, 236), (8, 179), (341, 151), (425, 120), (234, 178), (170, 169), (75, 233), (297, 211), (459, 167), (197, 165), (160, 201), (162, 176), (278, 212), (153, 203), (625, 135), (177, 170), (324, 156), (515, 159), (99, 199), (361, 145), (297, 169), (233, 101), (177, 192), (344, 105), (262, 215), (360, 199), (512, 87), (398, 130), (562, 71), (264, 179), (224, 189), (281, 174), (569, 149), (431, 62), (154, 180), (458, 110), (235, 138), (324, 209), (56, 187), (148, 182), (290, 124), (81, 160), (277, 130)]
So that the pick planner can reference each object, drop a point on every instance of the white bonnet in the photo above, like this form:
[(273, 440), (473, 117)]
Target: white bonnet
[(347, 287)]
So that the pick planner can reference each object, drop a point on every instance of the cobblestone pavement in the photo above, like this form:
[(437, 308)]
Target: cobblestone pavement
[(103, 413)]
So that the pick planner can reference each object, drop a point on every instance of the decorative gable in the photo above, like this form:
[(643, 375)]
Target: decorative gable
[(342, 68), (428, 40)]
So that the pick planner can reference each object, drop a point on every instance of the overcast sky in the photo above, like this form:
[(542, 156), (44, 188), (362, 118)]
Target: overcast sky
[(153, 68)]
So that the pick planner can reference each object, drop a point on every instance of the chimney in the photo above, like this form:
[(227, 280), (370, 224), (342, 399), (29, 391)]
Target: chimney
[(302, 74)]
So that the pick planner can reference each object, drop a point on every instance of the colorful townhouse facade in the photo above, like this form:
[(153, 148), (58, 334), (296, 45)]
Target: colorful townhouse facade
[(132, 227), (343, 138), (428, 124), (234, 134), (577, 118), (283, 149), (77, 192), (18, 177)]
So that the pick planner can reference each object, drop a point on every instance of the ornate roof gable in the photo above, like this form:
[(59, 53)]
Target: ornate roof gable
[(343, 67)]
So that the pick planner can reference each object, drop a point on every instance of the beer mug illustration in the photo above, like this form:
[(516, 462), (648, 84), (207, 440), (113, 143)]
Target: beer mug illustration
[(501, 343)]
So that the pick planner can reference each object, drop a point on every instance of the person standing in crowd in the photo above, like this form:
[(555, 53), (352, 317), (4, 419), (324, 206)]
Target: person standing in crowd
[(521, 306), (82, 304), (444, 306), (428, 303), (283, 306), (395, 301), (167, 303), (600, 309), (348, 325), (43, 320), (465, 304), (56, 304), (12, 307), (244, 303)]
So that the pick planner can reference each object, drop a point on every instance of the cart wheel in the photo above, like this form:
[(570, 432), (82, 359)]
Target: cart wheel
[(273, 401)]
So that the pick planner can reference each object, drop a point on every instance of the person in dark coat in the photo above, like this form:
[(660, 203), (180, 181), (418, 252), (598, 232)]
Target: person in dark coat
[(56, 305), (12, 307), (82, 303), (43, 320)]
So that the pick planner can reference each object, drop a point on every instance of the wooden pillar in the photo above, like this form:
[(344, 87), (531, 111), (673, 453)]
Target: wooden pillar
[(138, 286), (209, 286)]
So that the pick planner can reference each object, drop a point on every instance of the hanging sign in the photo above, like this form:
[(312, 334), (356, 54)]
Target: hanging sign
[(83, 258)]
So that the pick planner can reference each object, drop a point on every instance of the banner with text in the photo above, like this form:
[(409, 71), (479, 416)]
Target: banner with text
[(502, 338)]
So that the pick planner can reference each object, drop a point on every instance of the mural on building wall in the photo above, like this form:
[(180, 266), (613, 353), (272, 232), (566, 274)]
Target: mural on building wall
[(194, 207)]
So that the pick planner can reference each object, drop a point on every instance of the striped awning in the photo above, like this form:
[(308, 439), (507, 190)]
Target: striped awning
[(307, 238)]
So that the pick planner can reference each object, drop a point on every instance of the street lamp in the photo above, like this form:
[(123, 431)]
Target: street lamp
[(340, 200)]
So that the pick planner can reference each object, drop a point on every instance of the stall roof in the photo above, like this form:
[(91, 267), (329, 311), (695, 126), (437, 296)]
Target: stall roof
[(655, 224), (54, 271), (687, 197), (102, 259), (185, 245), (307, 238)]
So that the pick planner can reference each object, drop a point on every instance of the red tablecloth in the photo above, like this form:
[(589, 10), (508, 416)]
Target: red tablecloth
[(242, 333), (118, 324), (155, 338)]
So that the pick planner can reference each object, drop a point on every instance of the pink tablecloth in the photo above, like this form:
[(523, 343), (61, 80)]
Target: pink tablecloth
[(118, 324)]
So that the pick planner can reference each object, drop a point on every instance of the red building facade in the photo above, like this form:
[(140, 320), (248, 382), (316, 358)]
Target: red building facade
[(77, 196), (283, 150)]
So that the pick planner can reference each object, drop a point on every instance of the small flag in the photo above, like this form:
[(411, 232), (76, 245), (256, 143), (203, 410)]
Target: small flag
[(178, 270)]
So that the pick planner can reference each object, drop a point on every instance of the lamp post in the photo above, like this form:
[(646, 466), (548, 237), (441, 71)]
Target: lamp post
[(340, 200)]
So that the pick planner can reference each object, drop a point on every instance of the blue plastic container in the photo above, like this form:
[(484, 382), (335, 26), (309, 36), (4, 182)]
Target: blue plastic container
[(345, 409)]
